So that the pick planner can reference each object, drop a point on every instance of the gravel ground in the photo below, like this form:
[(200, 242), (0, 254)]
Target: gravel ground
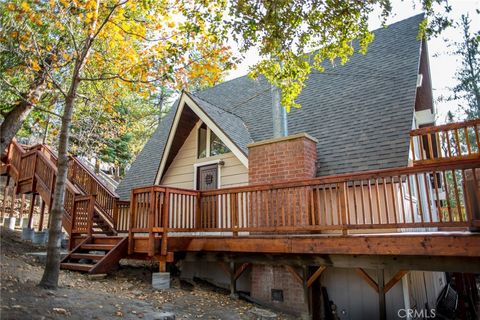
[(125, 294)]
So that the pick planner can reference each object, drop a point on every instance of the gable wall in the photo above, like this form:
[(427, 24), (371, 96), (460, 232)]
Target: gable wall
[(180, 174)]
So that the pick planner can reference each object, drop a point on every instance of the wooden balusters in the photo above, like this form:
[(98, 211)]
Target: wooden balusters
[(89, 183), (454, 141)]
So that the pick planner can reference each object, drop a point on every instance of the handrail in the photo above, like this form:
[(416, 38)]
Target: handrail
[(90, 184), (101, 183), (444, 127), (444, 143), (395, 199), (54, 168), (36, 165), (344, 177)]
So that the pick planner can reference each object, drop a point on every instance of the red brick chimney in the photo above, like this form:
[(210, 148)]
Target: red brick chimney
[(281, 159), (275, 160)]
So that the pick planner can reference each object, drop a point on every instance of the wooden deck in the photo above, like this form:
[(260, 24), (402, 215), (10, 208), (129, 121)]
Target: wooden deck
[(429, 208)]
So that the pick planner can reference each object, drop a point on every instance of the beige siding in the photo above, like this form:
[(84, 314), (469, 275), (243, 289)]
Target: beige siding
[(181, 172)]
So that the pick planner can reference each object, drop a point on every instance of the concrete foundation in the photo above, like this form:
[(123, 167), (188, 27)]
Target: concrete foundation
[(161, 280), (39, 237), (64, 243), (23, 223), (10, 222), (27, 234)]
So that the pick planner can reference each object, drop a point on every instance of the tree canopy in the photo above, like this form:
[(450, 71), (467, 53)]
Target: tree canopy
[(294, 37)]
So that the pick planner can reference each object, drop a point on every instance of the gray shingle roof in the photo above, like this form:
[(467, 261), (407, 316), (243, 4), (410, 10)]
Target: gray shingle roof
[(229, 123), (361, 112), (144, 168)]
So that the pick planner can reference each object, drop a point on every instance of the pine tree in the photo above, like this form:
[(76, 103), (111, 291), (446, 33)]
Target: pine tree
[(468, 75)]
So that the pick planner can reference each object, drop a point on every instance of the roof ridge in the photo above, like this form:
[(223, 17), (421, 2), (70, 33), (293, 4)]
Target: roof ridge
[(226, 111), (398, 22)]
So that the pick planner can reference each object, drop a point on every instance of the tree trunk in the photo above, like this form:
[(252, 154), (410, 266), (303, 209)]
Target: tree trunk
[(97, 165), (52, 266), (14, 119)]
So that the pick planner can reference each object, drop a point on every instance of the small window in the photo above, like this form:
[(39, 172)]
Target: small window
[(277, 295), (216, 145), (202, 141)]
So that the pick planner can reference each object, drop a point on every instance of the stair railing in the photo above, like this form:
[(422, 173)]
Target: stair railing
[(37, 165), (81, 175), (82, 215)]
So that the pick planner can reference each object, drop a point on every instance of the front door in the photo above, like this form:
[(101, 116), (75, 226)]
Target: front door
[(207, 177)]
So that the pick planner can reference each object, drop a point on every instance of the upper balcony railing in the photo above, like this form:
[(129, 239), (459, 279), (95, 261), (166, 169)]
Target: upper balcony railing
[(444, 143)]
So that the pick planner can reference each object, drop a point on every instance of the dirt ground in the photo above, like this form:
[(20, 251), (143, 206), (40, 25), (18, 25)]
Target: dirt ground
[(125, 294)]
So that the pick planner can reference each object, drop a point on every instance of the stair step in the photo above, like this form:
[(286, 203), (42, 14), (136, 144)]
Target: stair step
[(88, 256), (107, 240), (102, 247), (76, 266)]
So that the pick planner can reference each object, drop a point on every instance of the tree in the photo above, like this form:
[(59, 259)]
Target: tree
[(468, 76), (90, 46), (125, 43), (23, 70)]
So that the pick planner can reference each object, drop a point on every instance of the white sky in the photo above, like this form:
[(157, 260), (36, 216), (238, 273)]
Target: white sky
[(442, 66)]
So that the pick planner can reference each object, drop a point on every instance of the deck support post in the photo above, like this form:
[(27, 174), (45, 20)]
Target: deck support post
[(233, 281), (49, 221), (162, 265), (12, 203), (5, 196), (307, 294), (42, 213), (32, 207), (381, 294), (22, 207)]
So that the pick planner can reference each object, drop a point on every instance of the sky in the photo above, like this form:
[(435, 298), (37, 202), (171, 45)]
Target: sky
[(442, 65)]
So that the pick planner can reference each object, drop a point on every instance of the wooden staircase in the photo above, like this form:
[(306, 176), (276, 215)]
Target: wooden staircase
[(90, 206), (96, 255)]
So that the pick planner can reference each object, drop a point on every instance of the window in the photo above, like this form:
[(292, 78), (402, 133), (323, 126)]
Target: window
[(214, 147), (277, 295), (202, 141)]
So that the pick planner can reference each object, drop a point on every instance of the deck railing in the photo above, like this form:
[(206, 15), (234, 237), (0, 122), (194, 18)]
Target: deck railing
[(449, 142), (122, 215), (393, 200)]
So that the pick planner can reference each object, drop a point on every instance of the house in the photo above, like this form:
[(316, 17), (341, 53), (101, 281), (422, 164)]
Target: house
[(360, 210), (354, 118)]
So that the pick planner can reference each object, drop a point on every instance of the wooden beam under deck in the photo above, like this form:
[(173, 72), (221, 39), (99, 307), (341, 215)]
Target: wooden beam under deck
[(459, 252), (422, 244), (420, 263)]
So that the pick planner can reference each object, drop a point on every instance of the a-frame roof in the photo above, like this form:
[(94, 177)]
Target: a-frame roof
[(360, 113), (163, 146)]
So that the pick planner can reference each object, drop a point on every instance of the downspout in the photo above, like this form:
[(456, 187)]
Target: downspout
[(279, 114)]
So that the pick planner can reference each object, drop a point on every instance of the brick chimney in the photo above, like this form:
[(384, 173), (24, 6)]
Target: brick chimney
[(282, 159), (275, 160)]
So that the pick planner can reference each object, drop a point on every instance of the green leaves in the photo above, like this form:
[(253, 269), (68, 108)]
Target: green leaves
[(286, 32)]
